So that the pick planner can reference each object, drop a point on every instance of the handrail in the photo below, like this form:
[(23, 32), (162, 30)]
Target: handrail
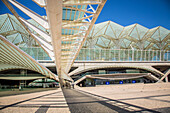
[(98, 54)]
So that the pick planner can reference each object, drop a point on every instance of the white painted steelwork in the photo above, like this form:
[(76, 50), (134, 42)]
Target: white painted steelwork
[(69, 24)]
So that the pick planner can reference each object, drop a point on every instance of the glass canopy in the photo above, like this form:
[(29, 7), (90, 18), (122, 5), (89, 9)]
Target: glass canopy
[(61, 32), (109, 35)]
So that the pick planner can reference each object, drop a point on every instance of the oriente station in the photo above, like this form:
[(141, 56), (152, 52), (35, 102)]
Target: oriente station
[(66, 46)]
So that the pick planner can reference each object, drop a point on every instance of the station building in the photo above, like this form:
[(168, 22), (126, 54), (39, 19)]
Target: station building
[(111, 53)]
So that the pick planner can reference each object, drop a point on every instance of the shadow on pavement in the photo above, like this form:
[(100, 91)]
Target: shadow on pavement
[(84, 102), (42, 108)]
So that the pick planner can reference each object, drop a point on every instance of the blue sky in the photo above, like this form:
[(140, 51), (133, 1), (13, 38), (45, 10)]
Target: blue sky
[(149, 13)]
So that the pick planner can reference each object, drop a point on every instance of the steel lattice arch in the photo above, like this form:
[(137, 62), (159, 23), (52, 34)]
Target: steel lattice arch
[(61, 33), (72, 36), (110, 35)]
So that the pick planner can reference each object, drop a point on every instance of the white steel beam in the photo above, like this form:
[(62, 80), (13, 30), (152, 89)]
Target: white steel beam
[(22, 23), (50, 53), (80, 2), (31, 14), (54, 15), (79, 9), (79, 29), (76, 24), (41, 3), (100, 7), (49, 46), (23, 59), (39, 31), (87, 17), (166, 74), (67, 22), (92, 8)]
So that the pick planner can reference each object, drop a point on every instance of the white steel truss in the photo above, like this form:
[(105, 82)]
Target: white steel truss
[(110, 35), (14, 58), (69, 24)]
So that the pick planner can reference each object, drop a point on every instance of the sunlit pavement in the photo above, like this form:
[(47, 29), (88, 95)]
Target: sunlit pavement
[(142, 98), (133, 97), (51, 101), (82, 103)]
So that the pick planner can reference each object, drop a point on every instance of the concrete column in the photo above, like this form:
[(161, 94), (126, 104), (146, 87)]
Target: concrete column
[(132, 54), (166, 79), (22, 82)]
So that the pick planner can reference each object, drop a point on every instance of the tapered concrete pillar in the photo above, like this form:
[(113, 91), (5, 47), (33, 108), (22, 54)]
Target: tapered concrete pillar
[(166, 79)]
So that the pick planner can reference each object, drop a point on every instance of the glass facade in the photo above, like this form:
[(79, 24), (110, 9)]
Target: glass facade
[(95, 54), (109, 35), (107, 41), (122, 55)]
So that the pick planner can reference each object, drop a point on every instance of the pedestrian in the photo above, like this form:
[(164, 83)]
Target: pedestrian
[(73, 85)]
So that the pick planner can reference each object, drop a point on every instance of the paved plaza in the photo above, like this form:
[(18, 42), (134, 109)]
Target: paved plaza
[(51, 101), (45, 44), (133, 97), (141, 98), (83, 103)]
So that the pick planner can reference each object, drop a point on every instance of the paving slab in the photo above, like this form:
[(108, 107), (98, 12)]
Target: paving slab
[(79, 102), (133, 97), (10, 92), (52, 101)]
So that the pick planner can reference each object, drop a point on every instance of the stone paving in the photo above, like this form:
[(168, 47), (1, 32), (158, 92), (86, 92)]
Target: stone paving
[(141, 98), (133, 97), (79, 102), (51, 101), (10, 92)]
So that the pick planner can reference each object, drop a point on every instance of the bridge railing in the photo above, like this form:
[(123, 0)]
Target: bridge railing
[(19, 75), (95, 54), (122, 55), (36, 52)]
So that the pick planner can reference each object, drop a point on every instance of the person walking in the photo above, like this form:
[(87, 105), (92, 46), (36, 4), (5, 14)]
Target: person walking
[(72, 85)]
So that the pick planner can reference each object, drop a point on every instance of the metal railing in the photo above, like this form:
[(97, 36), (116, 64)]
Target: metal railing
[(88, 54), (19, 75), (94, 54), (36, 52)]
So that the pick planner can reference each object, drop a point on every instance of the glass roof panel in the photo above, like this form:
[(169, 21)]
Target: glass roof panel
[(141, 30), (110, 32), (82, 13), (163, 32), (98, 28), (18, 39), (3, 18), (111, 44), (101, 31), (127, 30), (97, 47), (77, 15), (106, 41), (37, 25), (17, 26), (134, 33), (64, 14), (155, 45), (126, 43), (100, 42), (116, 28), (72, 15), (11, 37), (68, 14), (156, 35), (7, 26), (151, 31), (91, 32), (146, 43)]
